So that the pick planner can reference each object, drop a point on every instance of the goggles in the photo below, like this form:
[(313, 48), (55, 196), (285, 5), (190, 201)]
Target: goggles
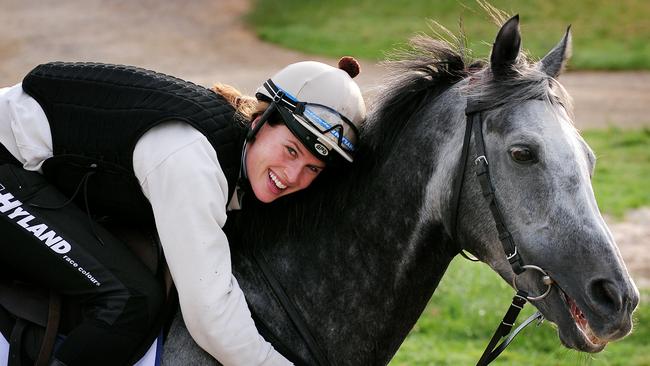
[(320, 128)]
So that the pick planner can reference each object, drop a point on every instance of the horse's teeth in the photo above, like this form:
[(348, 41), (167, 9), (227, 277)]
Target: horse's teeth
[(581, 321)]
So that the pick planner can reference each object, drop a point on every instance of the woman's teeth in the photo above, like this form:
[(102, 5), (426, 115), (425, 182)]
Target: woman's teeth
[(277, 181)]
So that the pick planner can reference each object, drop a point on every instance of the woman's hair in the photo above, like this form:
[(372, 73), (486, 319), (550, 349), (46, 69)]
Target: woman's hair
[(247, 108)]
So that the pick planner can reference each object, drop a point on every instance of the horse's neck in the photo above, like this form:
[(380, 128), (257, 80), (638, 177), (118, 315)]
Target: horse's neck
[(404, 242), (363, 278)]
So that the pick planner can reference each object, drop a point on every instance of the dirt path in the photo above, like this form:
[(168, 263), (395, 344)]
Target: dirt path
[(205, 41)]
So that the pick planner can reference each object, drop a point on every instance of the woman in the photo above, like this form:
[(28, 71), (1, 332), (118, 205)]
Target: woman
[(126, 142)]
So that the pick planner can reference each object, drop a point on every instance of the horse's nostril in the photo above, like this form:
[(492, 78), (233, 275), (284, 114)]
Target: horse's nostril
[(606, 295)]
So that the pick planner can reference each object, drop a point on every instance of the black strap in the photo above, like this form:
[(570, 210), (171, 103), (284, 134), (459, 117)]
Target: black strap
[(278, 96), (537, 316), (16, 343), (483, 175), (265, 116), (492, 350), (473, 112), (473, 124), (317, 353), (51, 329)]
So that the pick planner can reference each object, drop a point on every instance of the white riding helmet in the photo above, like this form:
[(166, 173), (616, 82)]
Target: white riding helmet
[(320, 104)]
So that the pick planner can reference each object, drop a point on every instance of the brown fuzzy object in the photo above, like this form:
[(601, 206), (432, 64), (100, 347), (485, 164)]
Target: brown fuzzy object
[(350, 65)]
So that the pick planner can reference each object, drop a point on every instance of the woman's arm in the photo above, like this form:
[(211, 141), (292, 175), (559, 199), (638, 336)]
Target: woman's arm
[(180, 175)]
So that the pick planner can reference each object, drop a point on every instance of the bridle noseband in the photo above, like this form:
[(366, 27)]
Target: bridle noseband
[(473, 111)]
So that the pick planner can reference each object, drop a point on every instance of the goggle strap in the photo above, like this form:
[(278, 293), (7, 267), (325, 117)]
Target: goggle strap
[(300, 108), (282, 99), (351, 125), (339, 130), (279, 96)]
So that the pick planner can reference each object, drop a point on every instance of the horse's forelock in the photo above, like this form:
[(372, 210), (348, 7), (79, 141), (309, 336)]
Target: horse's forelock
[(527, 82)]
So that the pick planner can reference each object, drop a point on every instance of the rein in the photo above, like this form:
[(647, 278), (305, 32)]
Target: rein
[(473, 111)]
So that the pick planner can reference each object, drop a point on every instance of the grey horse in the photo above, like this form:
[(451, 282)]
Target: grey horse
[(360, 256)]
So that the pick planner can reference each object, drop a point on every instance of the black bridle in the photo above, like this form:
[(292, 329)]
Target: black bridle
[(473, 111)]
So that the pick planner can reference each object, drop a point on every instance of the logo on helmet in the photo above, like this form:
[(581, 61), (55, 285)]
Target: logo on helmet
[(321, 149)]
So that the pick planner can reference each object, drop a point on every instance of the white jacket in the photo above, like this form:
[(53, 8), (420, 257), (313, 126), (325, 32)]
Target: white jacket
[(179, 173)]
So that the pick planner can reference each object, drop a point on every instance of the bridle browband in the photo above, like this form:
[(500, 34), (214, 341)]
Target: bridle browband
[(473, 112)]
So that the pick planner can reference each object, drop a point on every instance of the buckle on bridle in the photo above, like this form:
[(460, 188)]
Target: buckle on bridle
[(510, 256), (482, 157)]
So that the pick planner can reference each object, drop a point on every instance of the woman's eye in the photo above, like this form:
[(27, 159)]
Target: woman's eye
[(522, 155), (314, 169), (292, 151)]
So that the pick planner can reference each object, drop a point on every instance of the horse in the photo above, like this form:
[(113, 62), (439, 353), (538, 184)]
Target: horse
[(360, 255)]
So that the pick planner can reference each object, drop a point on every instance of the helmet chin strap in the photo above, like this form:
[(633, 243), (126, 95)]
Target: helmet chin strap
[(278, 98), (243, 184), (243, 173), (250, 137)]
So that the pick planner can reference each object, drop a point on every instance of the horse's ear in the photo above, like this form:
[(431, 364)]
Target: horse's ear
[(506, 48), (553, 63)]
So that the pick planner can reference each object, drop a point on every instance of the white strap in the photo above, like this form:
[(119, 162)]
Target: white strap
[(152, 357), (4, 350)]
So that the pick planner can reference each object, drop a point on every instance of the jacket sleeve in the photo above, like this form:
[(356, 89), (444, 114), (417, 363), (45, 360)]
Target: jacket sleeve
[(180, 175)]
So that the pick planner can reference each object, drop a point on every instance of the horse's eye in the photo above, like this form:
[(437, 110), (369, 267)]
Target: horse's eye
[(522, 155)]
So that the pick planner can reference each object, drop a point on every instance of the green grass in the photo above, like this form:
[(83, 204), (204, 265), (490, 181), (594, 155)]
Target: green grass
[(607, 34), (468, 305), (622, 178)]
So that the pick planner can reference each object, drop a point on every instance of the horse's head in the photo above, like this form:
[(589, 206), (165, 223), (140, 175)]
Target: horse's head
[(541, 169)]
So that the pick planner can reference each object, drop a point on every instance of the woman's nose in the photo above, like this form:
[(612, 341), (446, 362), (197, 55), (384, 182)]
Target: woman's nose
[(293, 172)]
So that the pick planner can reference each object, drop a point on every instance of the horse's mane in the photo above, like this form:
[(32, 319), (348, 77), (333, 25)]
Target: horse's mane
[(527, 82), (420, 74)]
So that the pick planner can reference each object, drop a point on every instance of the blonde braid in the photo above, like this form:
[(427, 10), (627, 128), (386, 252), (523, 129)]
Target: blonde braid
[(246, 107)]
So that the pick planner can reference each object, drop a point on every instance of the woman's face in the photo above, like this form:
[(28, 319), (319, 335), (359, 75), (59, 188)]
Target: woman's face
[(278, 164)]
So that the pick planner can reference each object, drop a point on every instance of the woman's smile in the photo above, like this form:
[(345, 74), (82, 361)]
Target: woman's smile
[(278, 164), (276, 182)]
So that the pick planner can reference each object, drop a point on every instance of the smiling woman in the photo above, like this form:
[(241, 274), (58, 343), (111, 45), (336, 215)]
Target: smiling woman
[(277, 164), (131, 146), (306, 117)]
